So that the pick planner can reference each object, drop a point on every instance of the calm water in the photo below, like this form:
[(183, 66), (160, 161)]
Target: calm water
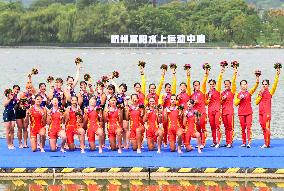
[(139, 185), (16, 63)]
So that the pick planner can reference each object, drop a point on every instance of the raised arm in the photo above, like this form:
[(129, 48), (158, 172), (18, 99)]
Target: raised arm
[(219, 81), (77, 75), (205, 79), (188, 90), (274, 86), (234, 85), (161, 83), (253, 89), (174, 83), (143, 82), (237, 100)]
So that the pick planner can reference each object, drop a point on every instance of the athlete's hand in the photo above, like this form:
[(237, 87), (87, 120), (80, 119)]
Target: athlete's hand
[(188, 72), (242, 96), (278, 72), (224, 97)]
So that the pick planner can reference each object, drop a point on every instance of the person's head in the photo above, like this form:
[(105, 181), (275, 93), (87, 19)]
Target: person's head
[(244, 85), (29, 88), (173, 99), (137, 87), (265, 84), (227, 84), (151, 101), (212, 84), (16, 89), (83, 85), (74, 101), (196, 85), (134, 98), (123, 88), (100, 87), (152, 88), (54, 102), (111, 89), (58, 83), (38, 100), (42, 87), (113, 101), (92, 101), (183, 87), (70, 81), (190, 104), (168, 87)]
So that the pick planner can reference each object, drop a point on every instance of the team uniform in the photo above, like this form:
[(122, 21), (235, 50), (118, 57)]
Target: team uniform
[(93, 123), (113, 122), (153, 125), (245, 112), (199, 96), (214, 111), (36, 118), (165, 101), (72, 126), (264, 101), (190, 128), (173, 123), (228, 111), (135, 117), (9, 111), (56, 124)]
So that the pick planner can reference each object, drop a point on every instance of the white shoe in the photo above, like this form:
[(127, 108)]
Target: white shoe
[(119, 151), (159, 151), (100, 150), (248, 146), (243, 145), (82, 151), (62, 150), (217, 146), (201, 146), (229, 146), (139, 151), (42, 150)]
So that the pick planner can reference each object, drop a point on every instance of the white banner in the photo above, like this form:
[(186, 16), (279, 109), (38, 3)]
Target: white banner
[(155, 39)]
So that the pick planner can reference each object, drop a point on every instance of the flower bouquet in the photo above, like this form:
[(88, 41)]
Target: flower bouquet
[(235, 64), (173, 66), (115, 74), (141, 64), (78, 60), (257, 73), (49, 79), (187, 67), (181, 107), (87, 77), (277, 65), (105, 79), (164, 67), (224, 63), (206, 66)]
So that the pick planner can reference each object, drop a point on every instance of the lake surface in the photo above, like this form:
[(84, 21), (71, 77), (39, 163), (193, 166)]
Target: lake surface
[(141, 185), (17, 63)]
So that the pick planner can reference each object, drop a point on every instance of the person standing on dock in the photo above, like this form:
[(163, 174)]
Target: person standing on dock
[(243, 100), (227, 102), (213, 100), (264, 101), (198, 96)]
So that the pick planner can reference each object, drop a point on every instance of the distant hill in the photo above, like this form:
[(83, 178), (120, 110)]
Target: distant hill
[(259, 3)]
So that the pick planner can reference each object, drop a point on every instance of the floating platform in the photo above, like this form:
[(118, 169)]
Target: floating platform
[(223, 162)]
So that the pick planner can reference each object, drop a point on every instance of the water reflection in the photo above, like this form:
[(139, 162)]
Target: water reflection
[(138, 185)]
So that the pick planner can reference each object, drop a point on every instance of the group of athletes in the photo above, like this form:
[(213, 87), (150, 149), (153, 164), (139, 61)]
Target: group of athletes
[(107, 111)]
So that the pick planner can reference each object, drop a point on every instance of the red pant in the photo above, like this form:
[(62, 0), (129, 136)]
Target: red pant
[(201, 128), (228, 121), (246, 123), (215, 123), (165, 126), (264, 120)]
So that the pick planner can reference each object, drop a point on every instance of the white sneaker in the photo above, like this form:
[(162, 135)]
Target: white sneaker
[(217, 146), (119, 151), (201, 146), (243, 145), (82, 151), (248, 146), (229, 146), (139, 151)]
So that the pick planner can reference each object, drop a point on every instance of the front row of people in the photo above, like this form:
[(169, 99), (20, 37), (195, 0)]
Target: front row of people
[(78, 122)]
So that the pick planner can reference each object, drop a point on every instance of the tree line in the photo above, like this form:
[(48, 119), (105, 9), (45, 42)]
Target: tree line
[(94, 21)]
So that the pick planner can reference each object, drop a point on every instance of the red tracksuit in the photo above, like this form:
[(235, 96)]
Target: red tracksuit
[(264, 101), (214, 114), (245, 113), (228, 115), (200, 107)]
